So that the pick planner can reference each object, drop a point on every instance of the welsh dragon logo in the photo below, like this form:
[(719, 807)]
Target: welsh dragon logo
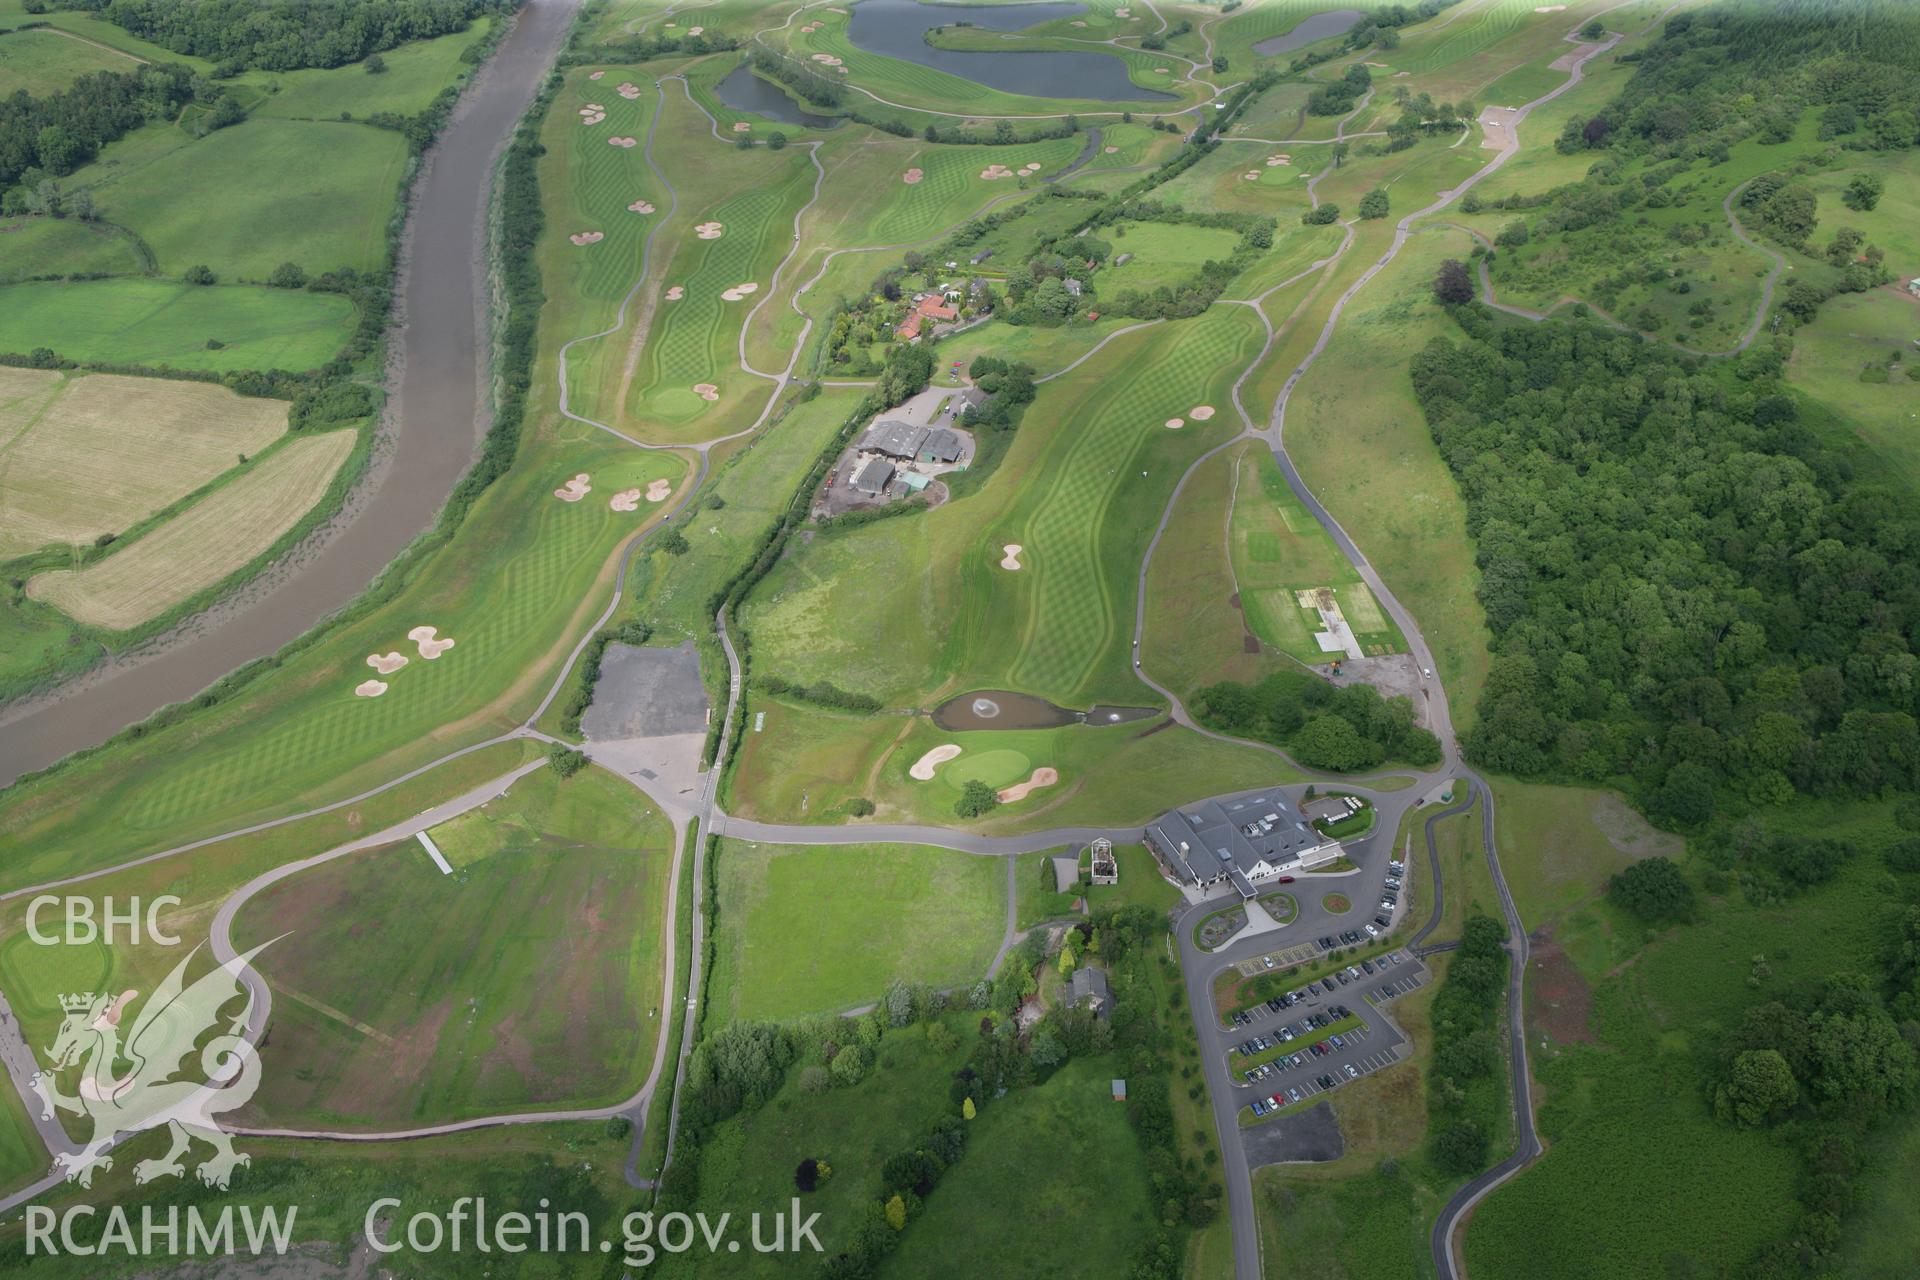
[(132, 1082)]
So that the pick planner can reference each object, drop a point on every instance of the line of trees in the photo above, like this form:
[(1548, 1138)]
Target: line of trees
[(241, 35), (1467, 1055), (1341, 730)]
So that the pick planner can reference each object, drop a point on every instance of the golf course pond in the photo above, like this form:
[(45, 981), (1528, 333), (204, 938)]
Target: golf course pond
[(744, 91), (898, 29), (1002, 709), (1315, 27)]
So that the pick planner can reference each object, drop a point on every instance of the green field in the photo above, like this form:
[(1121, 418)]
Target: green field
[(318, 194), (1164, 254), (43, 246), (1052, 1184), (415, 73), (539, 984), (873, 913), (163, 323), (1279, 550), (46, 61)]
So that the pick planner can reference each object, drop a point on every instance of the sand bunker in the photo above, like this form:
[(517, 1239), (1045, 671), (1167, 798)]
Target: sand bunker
[(597, 117), (659, 490), (912, 176), (994, 172), (1044, 776), (706, 391), (1011, 560), (625, 500), (628, 91), (826, 59), (1174, 424), (430, 644), (741, 126), (1548, 8), (922, 770), (676, 293), (739, 291), (369, 688), (1281, 158), (595, 75), (694, 31), (386, 663), (1251, 175), (640, 206), (588, 237), (624, 142), (1200, 412), (1163, 71), (709, 230), (841, 70), (1111, 150), (574, 489)]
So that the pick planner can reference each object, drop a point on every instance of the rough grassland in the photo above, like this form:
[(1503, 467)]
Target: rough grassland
[(1360, 440), (101, 453), (415, 73), (40, 246), (44, 62), (1829, 355), (1052, 1184), (1558, 845), (161, 322), (318, 194), (211, 539), (808, 930), (538, 984)]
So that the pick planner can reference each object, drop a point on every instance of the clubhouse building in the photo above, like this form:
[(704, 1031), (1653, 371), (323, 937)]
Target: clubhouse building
[(1243, 840)]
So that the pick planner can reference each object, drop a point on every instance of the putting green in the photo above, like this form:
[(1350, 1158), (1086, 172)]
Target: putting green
[(995, 768)]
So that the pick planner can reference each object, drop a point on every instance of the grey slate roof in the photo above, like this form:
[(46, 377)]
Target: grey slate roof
[(1091, 984), (939, 445), (1231, 837), (894, 438), (872, 476)]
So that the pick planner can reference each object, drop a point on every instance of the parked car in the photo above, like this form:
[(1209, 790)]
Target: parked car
[(1366, 967), (1372, 932), (1379, 920), (1353, 1072), (1336, 1042), (1344, 979), (1284, 880), (1325, 1082), (1259, 1106)]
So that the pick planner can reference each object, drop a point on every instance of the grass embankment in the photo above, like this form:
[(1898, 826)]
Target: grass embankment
[(540, 984)]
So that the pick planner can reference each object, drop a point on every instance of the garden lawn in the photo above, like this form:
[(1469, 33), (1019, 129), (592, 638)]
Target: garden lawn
[(166, 324), (810, 929), (539, 985), (1052, 1184)]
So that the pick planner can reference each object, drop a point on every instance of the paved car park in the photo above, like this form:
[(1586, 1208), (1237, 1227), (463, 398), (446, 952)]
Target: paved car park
[(1317, 1061)]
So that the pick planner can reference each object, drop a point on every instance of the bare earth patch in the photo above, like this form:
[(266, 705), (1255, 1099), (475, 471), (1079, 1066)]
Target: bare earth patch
[(1559, 1002)]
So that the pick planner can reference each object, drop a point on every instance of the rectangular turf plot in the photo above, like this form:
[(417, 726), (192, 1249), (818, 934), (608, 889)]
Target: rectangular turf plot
[(872, 913), (199, 547), (83, 456)]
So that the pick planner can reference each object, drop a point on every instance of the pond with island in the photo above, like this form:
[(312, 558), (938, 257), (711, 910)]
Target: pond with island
[(1004, 709)]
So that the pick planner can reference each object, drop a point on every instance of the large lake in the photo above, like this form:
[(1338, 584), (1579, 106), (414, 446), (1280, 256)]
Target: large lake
[(898, 29)]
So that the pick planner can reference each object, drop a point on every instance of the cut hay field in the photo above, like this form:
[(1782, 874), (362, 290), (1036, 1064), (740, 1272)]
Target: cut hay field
[(318, 194), (1278, 551), (45, 61), (201, 547), (165, 323), (514, 590), (38, 246), (539, 984), (1093, 455), (415, 73), (872, 913), (804, 764), (82, 456)]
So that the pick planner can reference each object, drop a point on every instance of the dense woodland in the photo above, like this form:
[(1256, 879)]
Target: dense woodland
[(47, 138), (1691, 592), (1345, 730), (240, 35)]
